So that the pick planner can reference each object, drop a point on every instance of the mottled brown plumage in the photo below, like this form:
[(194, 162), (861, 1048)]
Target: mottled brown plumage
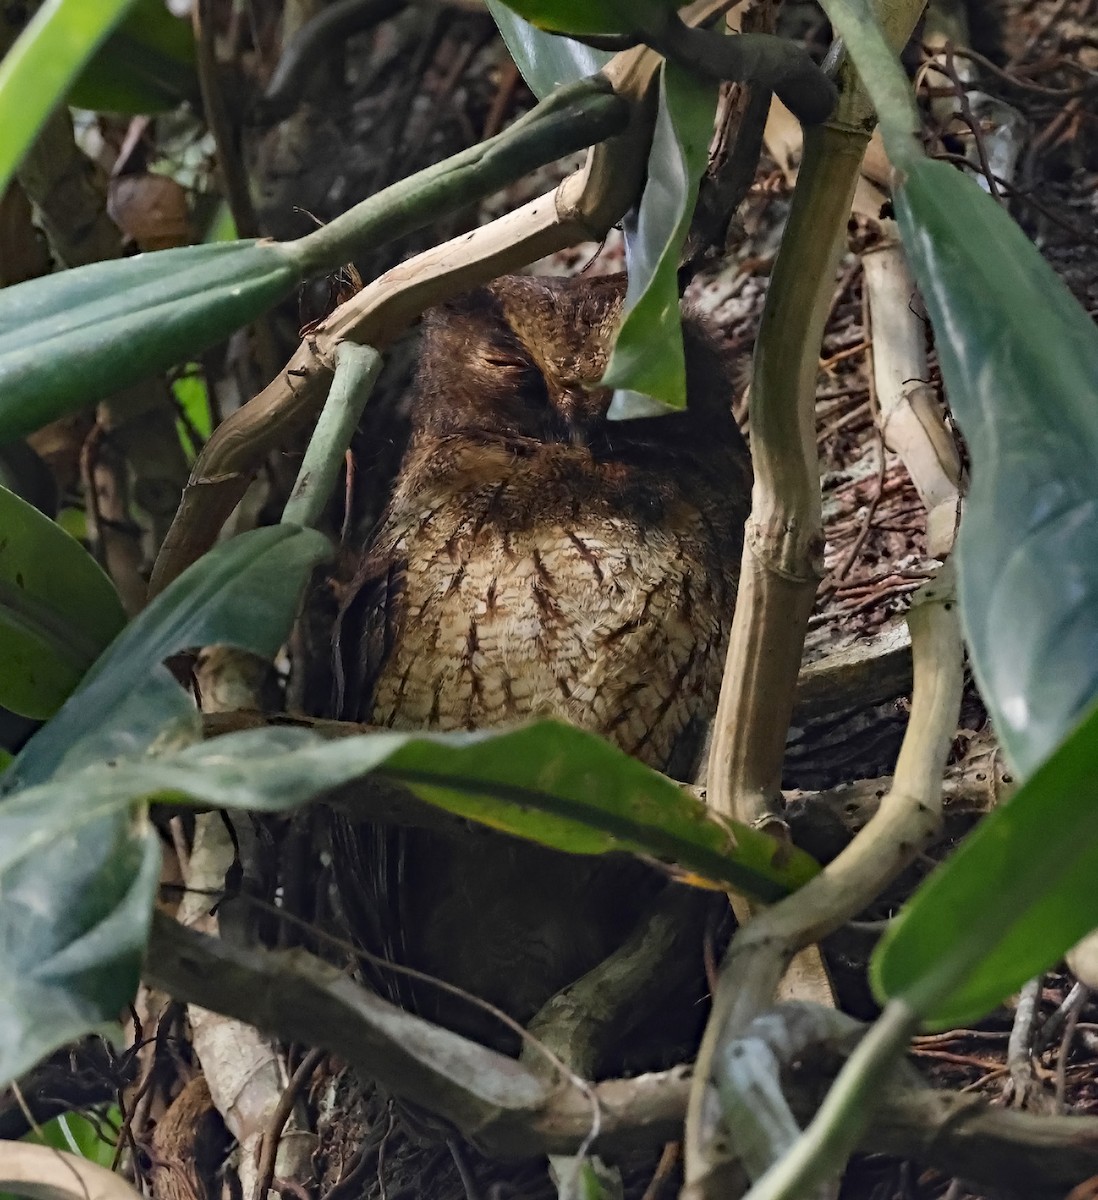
[(537, 558)]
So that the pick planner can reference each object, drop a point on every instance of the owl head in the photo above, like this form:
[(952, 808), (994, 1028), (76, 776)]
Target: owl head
[(523, 358)]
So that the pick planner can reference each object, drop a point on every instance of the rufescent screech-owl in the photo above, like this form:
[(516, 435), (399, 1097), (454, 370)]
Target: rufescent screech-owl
[(536, 558)]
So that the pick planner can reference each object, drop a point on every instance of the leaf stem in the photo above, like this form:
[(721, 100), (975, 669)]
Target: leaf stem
[(867, 33), (822, 1150), (357, 369), (760, 58)]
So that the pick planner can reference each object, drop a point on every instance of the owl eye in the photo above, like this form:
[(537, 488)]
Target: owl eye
[(518, 374), (504, 362)]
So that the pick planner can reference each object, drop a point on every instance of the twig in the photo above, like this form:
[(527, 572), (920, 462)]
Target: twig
[(1026, 84), (501, 101), (848, 352), (465, 1172), (89, 461), (268, 1153), (671, 1154), (1020, 1046), (351, 1173), (969, 118), (1076, 998), (1065, 1050)]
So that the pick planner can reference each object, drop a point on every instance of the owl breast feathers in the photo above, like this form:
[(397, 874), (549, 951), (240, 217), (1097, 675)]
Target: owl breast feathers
[(537, 558)]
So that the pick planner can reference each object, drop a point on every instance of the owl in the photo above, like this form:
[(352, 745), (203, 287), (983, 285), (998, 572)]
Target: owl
[(536, 558)]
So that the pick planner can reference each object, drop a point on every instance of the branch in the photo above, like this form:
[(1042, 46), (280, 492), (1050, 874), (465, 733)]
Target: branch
[(511, 1113), (48, 1174), (300, 998), (579, 1022)]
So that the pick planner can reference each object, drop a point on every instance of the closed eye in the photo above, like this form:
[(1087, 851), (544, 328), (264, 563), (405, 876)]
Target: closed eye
[(505, 362)]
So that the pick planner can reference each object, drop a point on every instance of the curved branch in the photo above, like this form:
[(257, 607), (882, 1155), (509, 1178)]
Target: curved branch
[(44, 1173), (510, 1112), (908, 816)]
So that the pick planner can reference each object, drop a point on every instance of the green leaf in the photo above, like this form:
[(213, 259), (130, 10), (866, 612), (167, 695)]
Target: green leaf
[(61, 336), (79, 862), (76, 889), (244, 593), (38, 69), (1016, 895), (546, 60), (77, 882), (648, 365), (1019, 359), (71, 1131), (146, 66), (58, 610), (193, 399), (548, 782), (78, 867)]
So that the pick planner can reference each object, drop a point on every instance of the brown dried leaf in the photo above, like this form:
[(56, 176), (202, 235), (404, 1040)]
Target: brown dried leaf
[(150, 209)]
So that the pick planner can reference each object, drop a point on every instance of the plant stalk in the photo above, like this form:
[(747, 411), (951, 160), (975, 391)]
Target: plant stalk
[(906, 819), (357, 369), (822, 1150)]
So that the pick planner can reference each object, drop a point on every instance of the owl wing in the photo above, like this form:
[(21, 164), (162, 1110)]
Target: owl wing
[(369, 859), (366, 630)]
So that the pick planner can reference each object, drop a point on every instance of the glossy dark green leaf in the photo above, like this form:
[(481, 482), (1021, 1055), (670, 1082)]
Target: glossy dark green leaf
[(1019, 359), (1020, 362), (546, 60), (76, 840), (549, 782), (39, 68), (648, 365), (1017, 894), (556, 785), (79, 863), (77, 882), (70, 339), (243, 592), (58, 610), (146, 66)]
